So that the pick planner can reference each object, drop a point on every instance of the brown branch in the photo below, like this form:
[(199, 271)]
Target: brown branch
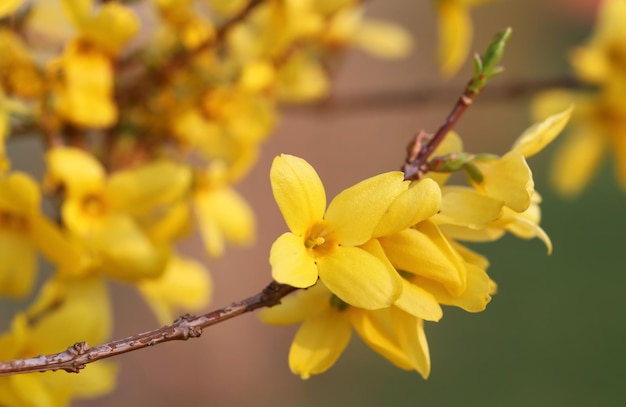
[(420, 149), (77, 356)]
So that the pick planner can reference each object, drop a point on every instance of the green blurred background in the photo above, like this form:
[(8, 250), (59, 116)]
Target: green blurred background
[(554, 334)]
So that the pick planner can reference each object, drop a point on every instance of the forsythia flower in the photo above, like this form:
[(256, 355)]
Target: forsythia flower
[(599, 122), (330, 243), (66, 312), (102, 211)]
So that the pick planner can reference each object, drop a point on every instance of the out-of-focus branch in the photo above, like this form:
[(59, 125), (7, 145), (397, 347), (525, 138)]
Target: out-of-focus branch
[(77, 356), (429, 96)]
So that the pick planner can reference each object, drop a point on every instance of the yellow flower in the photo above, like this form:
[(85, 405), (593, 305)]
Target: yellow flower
[(109, 28), (103, 212), (18, 72), (598, 128), (327, 325), (455, 32), (331, 243), (66, 312), (380, 38), (85, 95), (24, 231), (603, 59)]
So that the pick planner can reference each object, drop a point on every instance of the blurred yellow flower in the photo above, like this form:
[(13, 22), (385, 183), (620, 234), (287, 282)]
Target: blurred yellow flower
[(85, 92), (102, 211), (603, 59), (66, 312), (455, 32)]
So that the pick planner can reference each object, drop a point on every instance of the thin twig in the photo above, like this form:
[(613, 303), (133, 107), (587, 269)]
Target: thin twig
[(77, 356)]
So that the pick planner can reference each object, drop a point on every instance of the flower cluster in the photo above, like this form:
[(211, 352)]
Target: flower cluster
[(599, 122), (150, 112), (383, 256)]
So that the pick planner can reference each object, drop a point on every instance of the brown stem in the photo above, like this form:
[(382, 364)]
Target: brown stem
[(77, 356), (419, 151)]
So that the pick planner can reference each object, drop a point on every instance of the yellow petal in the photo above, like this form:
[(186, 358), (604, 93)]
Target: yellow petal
[(319, 342), (298, 191), (485, 234), (95, 380), (577, 160), (474, 298), (418, 302), (508, 179), (61, 304), (222, 211), (356, 211), (185, 285), (412, 340), (298, 306), (463, 206), (78, 11), (455, 35), (112, 28), (420, 201), (76, 171), (9, 6), (19, 194), (377, 331), (526, 228), (47, 237), (540, 134), (142, 189), (18, 266), (291, 263), (383, 39), (360, 278), (426, 252), (301, 79), (126, 252), (86, 99)]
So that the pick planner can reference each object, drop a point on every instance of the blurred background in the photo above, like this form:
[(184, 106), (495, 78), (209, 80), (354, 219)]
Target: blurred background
[(554, 334)]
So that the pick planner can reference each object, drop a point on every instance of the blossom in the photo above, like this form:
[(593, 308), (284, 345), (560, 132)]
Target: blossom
[(328, 243), (103, 212), (66, 312), (598, 125), (603, 59)]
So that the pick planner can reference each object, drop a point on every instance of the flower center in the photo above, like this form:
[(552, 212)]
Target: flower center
[(94, 205), (13, 222), (318, 240)]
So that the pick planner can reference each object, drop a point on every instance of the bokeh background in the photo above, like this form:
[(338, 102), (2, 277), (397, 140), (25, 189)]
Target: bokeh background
[(554, 334)]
